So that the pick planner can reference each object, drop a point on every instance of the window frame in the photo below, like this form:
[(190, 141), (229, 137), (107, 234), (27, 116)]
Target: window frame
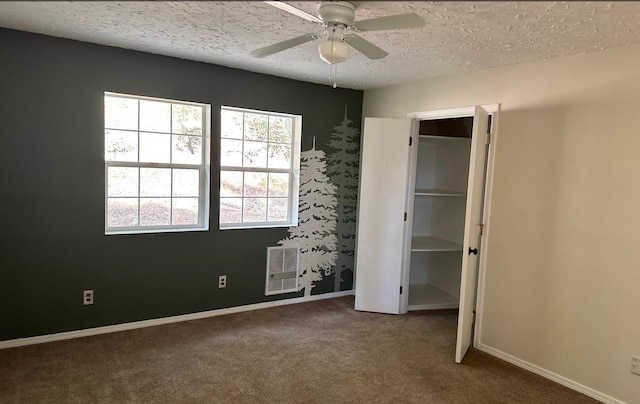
[(204, 169), (293, 171)]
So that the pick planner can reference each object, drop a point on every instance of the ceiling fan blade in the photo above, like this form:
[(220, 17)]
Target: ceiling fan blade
[(365, 47), (280, 46), (295, 11), (398, 21)]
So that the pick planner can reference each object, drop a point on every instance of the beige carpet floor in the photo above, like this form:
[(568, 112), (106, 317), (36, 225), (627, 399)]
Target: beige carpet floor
[(317, 352)]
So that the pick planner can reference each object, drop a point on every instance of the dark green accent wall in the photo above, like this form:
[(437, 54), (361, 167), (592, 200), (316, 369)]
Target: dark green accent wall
[(52, 242)]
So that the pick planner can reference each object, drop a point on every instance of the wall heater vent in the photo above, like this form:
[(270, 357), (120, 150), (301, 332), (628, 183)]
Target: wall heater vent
[(282, 270)]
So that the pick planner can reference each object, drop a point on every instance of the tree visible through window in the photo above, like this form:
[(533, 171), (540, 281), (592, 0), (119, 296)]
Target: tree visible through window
[(259, 168), (156, 164)]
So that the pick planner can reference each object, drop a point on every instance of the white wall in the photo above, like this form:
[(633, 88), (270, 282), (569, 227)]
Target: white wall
[(562, 287)]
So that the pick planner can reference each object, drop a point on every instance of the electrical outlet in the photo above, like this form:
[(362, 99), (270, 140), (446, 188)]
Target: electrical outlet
[(222, 281), (87, 297), (635, 365)]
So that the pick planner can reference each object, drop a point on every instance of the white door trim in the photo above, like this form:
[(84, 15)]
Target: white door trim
[(452, 112)]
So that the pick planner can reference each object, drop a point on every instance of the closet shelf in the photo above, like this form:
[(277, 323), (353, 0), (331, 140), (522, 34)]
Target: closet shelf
[(444, 139), (433, 244), (437, 192), (428, 297)]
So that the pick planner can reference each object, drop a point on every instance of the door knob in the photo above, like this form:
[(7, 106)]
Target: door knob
[(474, 251)]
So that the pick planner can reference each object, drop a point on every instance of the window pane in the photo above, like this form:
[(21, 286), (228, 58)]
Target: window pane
[(256, 160), (254, 210), (230, 183), (155, 116), (122, 181), (255, 154), (278, 185), (155, 182), (155, 148), (255, 184), (155, 211), (148, 143), (230, 210), (280, 129), (231, 153), (120, 145), (185, 211), (231, 124), (256, 127), (122, 212), (279, 155), (277, 210), (187, 119), (186, 182), (120, 113), (187, 149)]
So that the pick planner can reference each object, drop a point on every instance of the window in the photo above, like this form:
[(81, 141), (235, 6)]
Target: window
[(259, 168), (156, 155)]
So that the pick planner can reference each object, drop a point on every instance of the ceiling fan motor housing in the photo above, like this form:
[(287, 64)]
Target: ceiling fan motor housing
[(337, 12)]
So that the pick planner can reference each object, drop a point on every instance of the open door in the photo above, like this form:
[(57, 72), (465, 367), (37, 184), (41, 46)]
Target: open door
[(473, 218), (380, 247)]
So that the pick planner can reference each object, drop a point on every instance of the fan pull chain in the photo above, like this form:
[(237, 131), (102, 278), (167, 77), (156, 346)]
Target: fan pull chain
[(334, 67), (333, 74)]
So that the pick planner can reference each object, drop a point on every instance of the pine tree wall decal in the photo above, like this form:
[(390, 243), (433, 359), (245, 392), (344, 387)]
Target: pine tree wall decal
[(343, 170), (317, 219)]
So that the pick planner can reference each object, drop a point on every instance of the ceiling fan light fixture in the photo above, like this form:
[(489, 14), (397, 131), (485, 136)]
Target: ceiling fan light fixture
[(333, 52), (340, 28)]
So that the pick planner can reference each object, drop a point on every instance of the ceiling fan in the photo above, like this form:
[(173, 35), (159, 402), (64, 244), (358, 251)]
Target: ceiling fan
[(337, 19)]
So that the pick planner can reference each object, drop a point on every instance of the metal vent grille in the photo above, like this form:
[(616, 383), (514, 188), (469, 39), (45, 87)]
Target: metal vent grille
[(282, 270)]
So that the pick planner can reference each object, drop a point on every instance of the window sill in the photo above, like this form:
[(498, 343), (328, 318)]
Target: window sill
[(148, 231), (256, 226)]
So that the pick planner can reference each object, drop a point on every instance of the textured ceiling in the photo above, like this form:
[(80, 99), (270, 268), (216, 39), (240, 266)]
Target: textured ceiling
[(457, 37)]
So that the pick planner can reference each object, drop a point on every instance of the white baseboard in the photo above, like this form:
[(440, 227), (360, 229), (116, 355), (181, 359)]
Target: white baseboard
[(549, 375), (165, 320)]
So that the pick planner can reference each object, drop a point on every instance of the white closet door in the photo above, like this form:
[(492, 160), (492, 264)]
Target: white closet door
[(380, 247), (473, 216)]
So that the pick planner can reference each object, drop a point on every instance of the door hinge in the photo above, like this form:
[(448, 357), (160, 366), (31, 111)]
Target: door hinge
[(488, 138), (481, 230), (473, 319), (400, 289), (410, 140), (405, 216)]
